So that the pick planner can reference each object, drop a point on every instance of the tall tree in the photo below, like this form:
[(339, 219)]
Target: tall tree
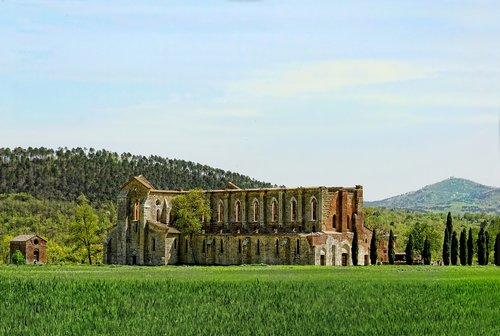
[(355, 247), (454, 248), (463, 247), (373, 248), (83, 230), (446, 247), (497, 250), (481, 247), (486, 247), (449, 224), (409, 250), (392, 254), (189, 210), (427, 252), (470, 248)]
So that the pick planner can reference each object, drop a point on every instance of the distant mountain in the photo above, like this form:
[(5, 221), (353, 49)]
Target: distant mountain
[(454, 194), (63, 174)]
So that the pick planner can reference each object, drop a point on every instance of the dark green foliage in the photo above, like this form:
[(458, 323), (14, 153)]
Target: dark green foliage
[(64, 174), (446, 247), (409, 251), (449, 224), (470, 248), (486, 248), (355, 247), (481, 247), (454, 248), (497, 250), (427, 252), (18, 258), (373, 248), (189, 209), (463, 248), (392, 253)]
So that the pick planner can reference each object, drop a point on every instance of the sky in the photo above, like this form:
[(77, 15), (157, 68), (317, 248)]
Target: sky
[(392, 95)]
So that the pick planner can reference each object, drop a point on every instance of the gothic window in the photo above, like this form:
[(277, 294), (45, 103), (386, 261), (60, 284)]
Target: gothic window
[(220, 212), (255, 209), (136, 210), (293, 210), (237, 211), (314, 209), (274, 211)]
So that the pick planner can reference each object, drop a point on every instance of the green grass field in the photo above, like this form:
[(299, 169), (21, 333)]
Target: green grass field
[(249, 300)]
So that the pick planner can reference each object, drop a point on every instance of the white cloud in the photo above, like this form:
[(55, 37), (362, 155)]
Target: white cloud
[(328, 76)]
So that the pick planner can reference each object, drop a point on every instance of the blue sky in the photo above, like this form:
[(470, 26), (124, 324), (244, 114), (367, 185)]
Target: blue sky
[(389, 94)]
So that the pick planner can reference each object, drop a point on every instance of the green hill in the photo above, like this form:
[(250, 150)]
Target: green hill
[(454, 194), (63, 174)]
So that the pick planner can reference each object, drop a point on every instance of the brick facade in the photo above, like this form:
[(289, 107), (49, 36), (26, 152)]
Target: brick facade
[(306, 226)]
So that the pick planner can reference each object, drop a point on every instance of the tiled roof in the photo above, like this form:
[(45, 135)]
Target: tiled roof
[(23, 238)]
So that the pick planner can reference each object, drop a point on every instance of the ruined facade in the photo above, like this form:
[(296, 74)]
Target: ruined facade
[(304, 226)]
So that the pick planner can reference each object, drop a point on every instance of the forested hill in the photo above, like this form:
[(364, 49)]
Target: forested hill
[(453, 194), (66, 173)]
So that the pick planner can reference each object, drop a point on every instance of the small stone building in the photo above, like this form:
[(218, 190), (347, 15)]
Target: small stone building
[(33, 248), (302, 226)]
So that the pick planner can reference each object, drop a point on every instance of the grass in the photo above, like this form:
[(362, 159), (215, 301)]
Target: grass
[(249, 300)]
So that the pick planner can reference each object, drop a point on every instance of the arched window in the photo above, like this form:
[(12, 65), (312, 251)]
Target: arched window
[(298, 246), (314, 209), (220, 212), (237, 211), (274, 211), (221, 246), (258, 246), (154, 245), (136, 210), (293, 211), (239, 245), (158, 215), (255, 210), (277, 247)]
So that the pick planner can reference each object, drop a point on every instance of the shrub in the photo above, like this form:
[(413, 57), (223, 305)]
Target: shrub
[(18, 258)]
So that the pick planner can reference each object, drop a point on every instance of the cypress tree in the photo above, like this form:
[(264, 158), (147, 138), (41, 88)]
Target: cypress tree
[(392, 254), (463, 248), (480, 247), (497, 250), (446, 248), (354, 247), (470, 248), (454, 248), (409, 251), (373, 248), (487, 248), (449, 224), (427, 252)]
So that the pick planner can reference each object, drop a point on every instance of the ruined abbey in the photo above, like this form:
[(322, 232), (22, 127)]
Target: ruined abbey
[(303, 226)]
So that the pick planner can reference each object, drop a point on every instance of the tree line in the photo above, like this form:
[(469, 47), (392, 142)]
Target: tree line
[(64, 174)]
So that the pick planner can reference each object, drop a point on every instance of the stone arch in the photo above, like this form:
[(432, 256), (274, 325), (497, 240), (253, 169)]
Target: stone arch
[(220, 211), (237, 211), (346, 254), (274, 210), (314, 208), (255, 210), (293, 210), (322, 257)]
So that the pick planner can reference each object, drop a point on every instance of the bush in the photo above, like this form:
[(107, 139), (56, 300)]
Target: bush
[(18, 258)]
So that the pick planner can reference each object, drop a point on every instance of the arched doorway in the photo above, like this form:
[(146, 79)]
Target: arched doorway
[(36, 256), (322, 258)]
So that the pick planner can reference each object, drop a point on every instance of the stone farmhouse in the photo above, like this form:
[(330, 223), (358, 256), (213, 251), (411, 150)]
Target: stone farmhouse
[(289, 226), (33, 248)]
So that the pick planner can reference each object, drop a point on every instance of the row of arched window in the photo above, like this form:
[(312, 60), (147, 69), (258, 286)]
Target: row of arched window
[(255, 214)]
